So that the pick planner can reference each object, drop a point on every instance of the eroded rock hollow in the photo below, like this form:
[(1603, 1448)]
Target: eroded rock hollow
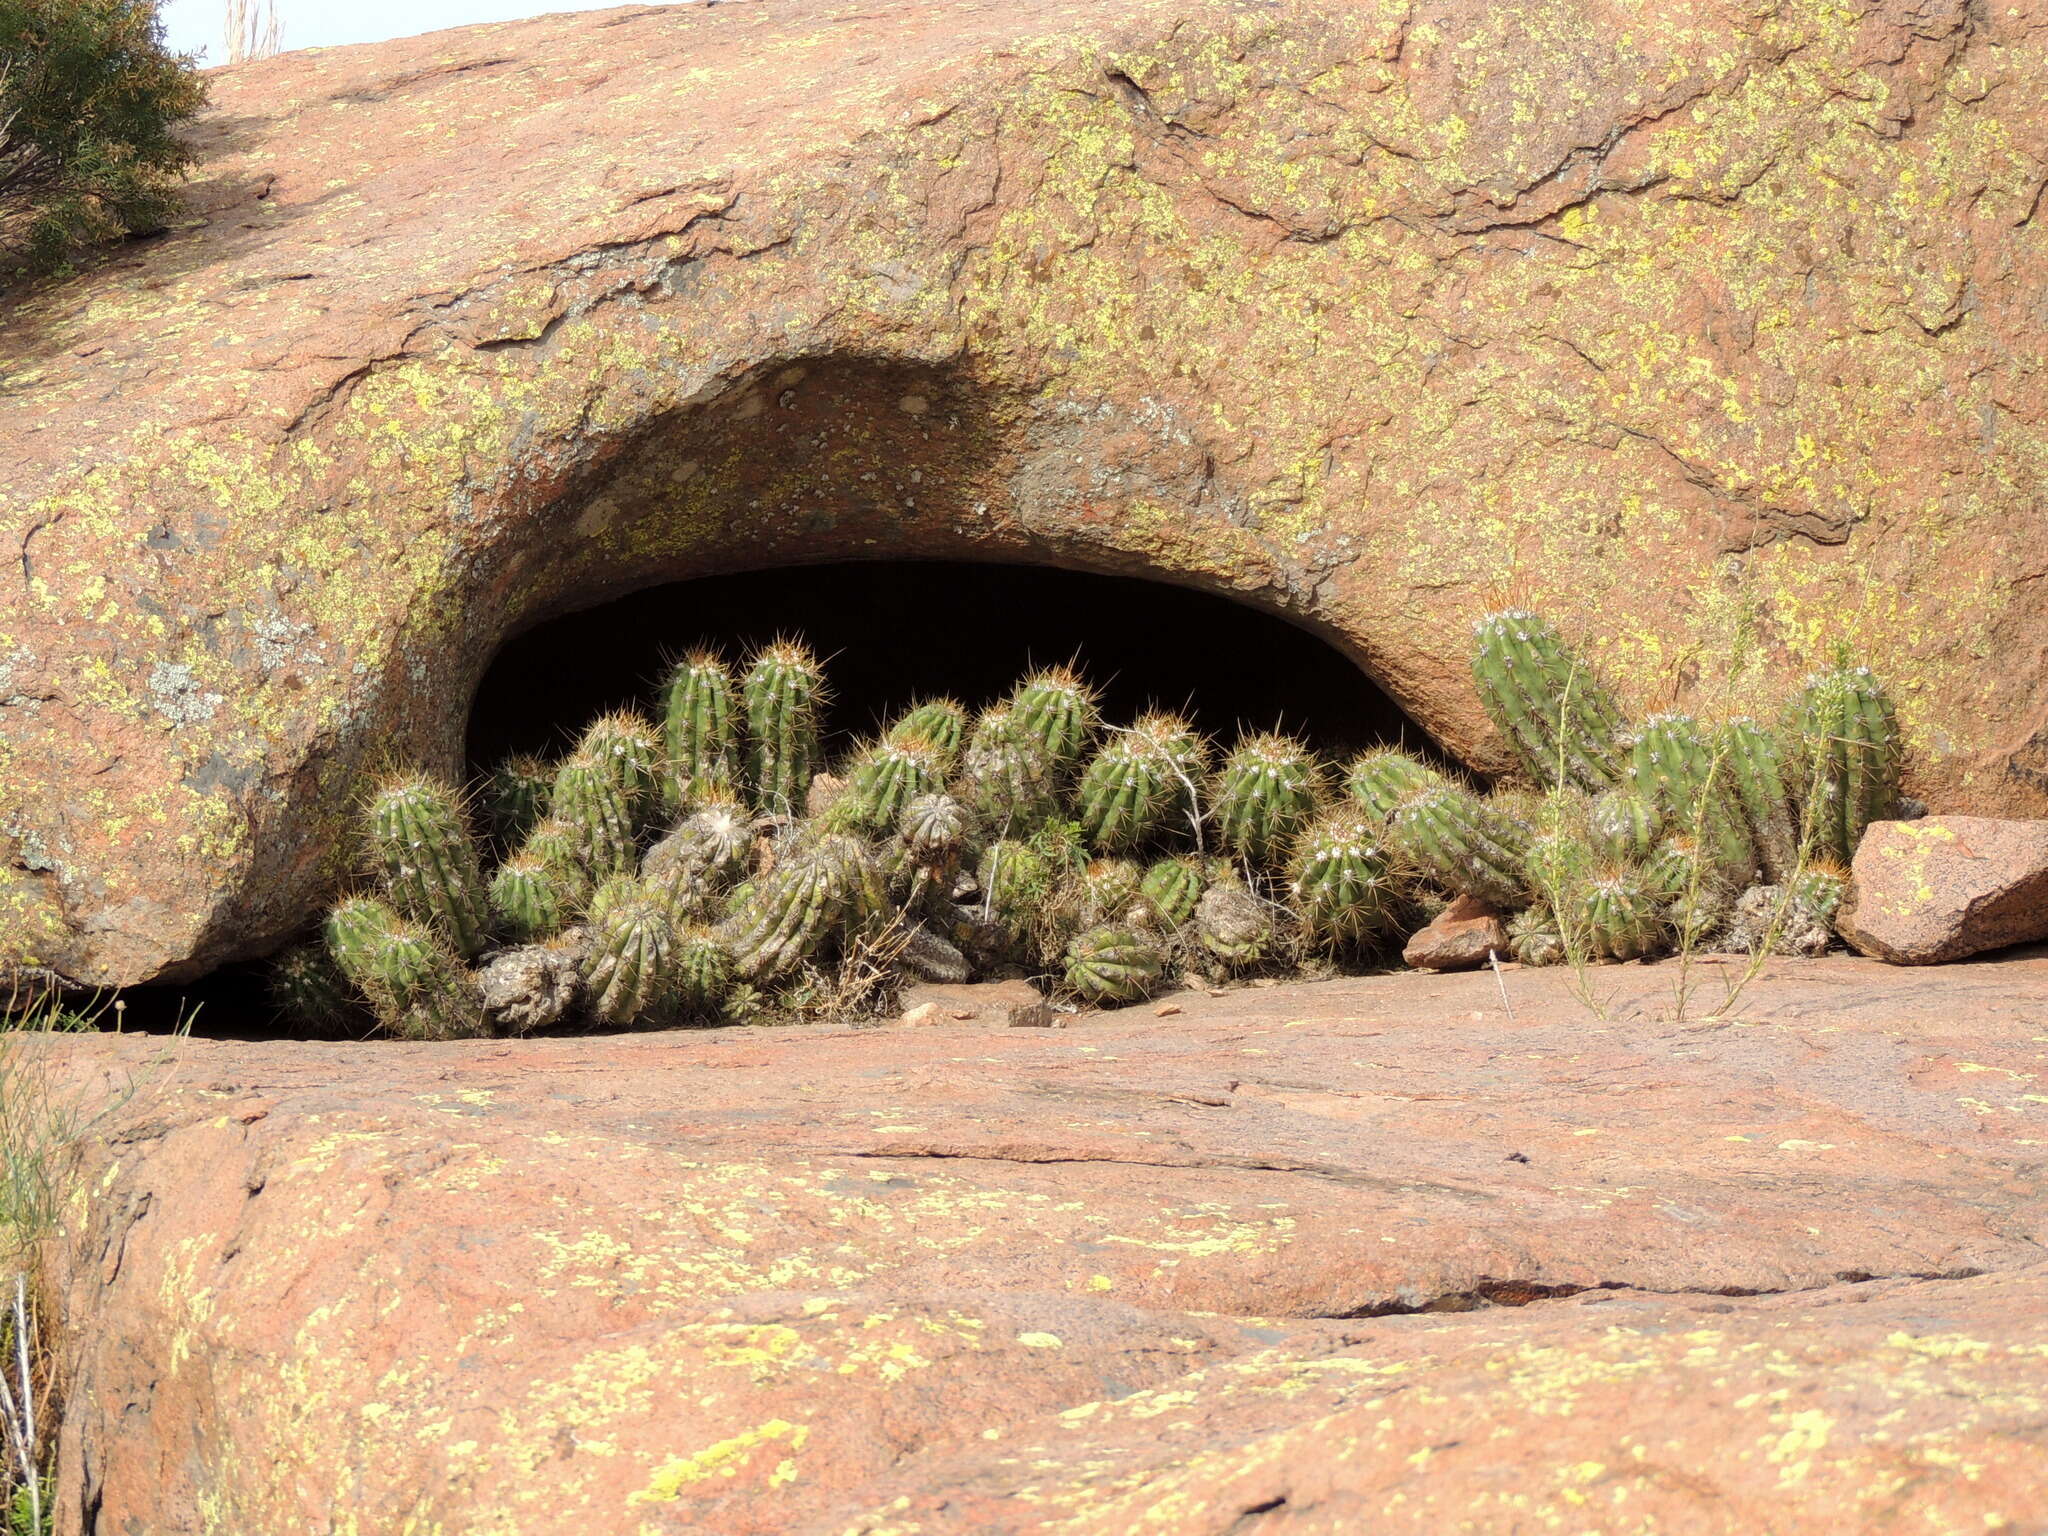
[(1711, 332)]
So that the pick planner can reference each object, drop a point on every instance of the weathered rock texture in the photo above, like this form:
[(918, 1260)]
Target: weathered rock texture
[(1711, 330), (1127, 1276), (1461, 936), (1944, 887)]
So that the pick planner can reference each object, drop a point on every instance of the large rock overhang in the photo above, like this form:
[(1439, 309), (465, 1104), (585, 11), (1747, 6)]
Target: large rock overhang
[(1714, 334)]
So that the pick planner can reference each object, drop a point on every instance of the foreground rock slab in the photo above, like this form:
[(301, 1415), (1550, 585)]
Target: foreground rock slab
[(1209, 1272), (1946, 887)]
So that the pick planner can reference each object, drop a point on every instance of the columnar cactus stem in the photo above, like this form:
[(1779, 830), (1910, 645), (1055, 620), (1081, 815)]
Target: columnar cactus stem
[(1170, 890), (1056, 708), (1381, 779), (1265, 795), (1687, 771), (1342, 881), (1008, 777), (429, 861), (1181, 747), (703, 971), (1756, 764), (518, 797), (699, 722), (529, 899), (1625, 825), (1128, 792), (1559, 715), (631, 969), (785, 695), (1113, 965), (310, 990), (591, 798), (940, 724), (1464, 845), (558, 848), (883, 781), (632, 746), (1620, 916), (414, 984), (1849, 757), (791, 912)]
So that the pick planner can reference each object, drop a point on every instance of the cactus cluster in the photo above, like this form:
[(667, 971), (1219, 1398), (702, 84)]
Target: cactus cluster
[(695, 867)]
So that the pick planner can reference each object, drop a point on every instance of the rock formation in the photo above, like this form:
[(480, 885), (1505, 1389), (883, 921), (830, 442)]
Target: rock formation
[(1710, 331)]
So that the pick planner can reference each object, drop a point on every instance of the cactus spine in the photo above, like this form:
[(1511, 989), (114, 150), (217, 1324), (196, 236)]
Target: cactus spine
[(1113, 965), (429, 861), (518, 797), (1533, 937), (1109, 888), (1686, 770), (529, 899), (1849, 757), (591, 799), (784, 695), (1264, 797), (414, 984), (698, 722), (1464, 845), (935, 827), (631, 969), (1170, 889), (1056, 708), (1561, 718), (703, 971), (631, 745), (1381, 779), (1342, 882)]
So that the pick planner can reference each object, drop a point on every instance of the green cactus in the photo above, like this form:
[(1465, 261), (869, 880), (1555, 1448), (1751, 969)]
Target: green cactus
[(1757, 767), (632, 746), (1686, 770), (1342, 881), (557, 847), (1008, 777), (1677, 867), (784, 695), (1620, 916), (703, 971), (1057, 709), (1264, 797), (1464, 845), (1560, 717), (699, 723), (429, 861), (1170, 889), (1381, 779), (1234, 925), (1534, 937), (1185, 752), (517, 797), (882, 782), (1558, 864), (935, 828), (592, 800), (1848, 757), (310, 991), (1109, 888), (1820, 886), (1129, 792), (1625, 825), (940, 724), (1016, 877), (684, 889), (716, 839), (630, 971), (787, 918), (529, 899), (1113, 965), (413, 982)]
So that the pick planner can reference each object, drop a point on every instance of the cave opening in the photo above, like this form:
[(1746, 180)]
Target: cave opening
[(890, 633)]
